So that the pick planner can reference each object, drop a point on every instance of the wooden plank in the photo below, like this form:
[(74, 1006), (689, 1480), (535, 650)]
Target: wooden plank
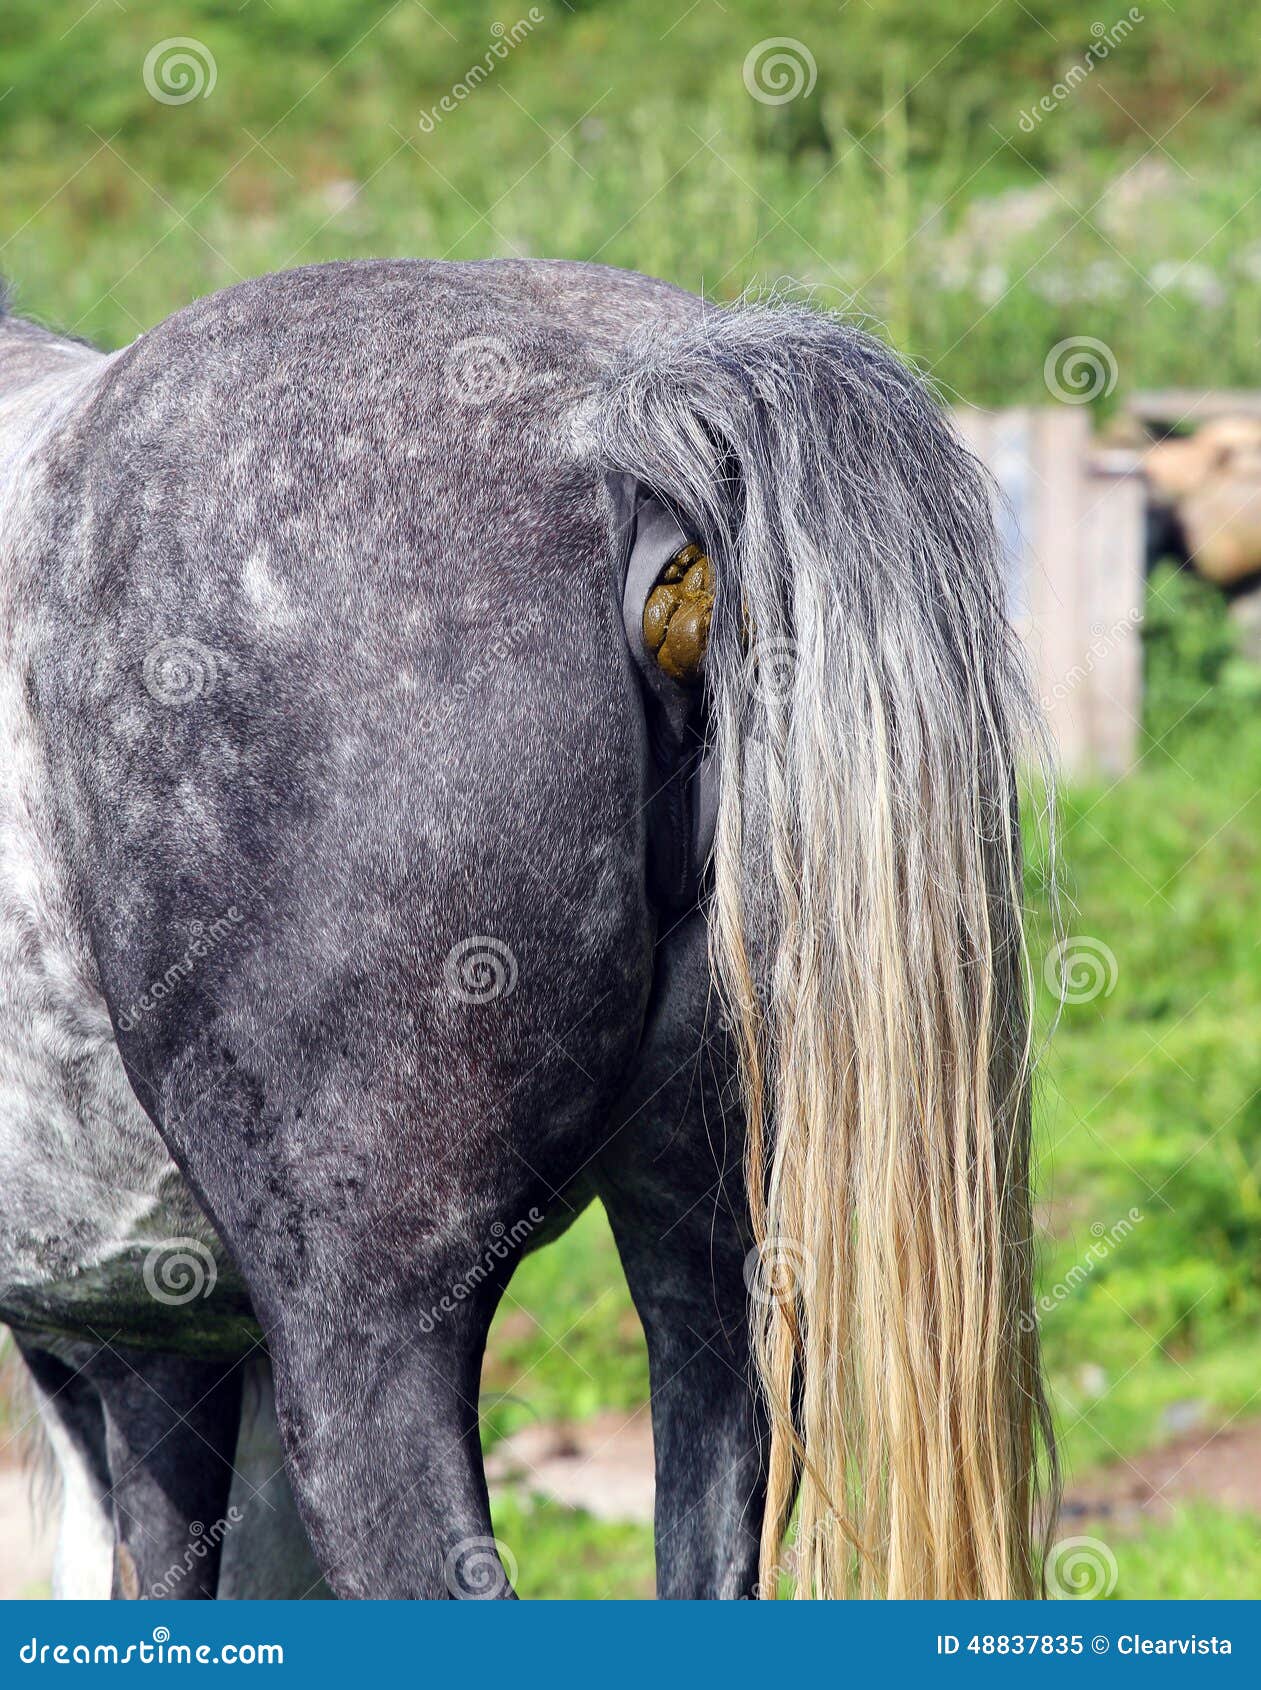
[(1070, 517), (1116, 594), (1115, 566), (1002, 442), (1190, 406), (1059, 612), (1013, 469)]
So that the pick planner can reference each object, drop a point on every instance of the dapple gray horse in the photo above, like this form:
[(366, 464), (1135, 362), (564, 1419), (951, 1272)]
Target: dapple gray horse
[(478, 738)]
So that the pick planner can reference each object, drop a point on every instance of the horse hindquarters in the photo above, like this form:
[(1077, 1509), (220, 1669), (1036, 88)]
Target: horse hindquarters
[(379, 1088), (347, 756), (381, 1096)]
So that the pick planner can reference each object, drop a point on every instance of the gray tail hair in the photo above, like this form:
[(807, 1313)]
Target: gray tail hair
[(869, 707)]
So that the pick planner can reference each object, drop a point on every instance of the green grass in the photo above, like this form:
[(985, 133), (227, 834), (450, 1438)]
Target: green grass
[(561, 1554), (624, 131), (566, 1340), (1203, 1552), (1152, 1089)]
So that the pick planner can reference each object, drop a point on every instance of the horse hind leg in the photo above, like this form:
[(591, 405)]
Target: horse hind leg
[(171, 1426), (377, 1408), (672, 1183), (373, 1290), (74, 1425), (156, 1434), (266, 1555)]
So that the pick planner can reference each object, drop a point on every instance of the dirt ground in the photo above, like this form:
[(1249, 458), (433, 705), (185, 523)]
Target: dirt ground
[(1224, 1468), (605, 1467)]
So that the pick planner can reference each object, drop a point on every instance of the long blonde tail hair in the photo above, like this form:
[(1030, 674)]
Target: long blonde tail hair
[(869, 703)]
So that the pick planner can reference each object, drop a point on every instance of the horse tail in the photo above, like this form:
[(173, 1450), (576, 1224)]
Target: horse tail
[(868, 706)]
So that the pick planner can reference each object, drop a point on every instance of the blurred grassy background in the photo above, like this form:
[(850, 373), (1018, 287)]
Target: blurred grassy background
[(903, 186), (904, 189)]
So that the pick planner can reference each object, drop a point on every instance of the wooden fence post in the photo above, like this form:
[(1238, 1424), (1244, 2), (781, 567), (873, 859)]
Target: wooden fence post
[(1071, 525)]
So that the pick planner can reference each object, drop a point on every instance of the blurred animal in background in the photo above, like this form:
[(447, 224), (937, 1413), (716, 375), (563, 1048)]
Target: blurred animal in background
[(1210, 482)]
